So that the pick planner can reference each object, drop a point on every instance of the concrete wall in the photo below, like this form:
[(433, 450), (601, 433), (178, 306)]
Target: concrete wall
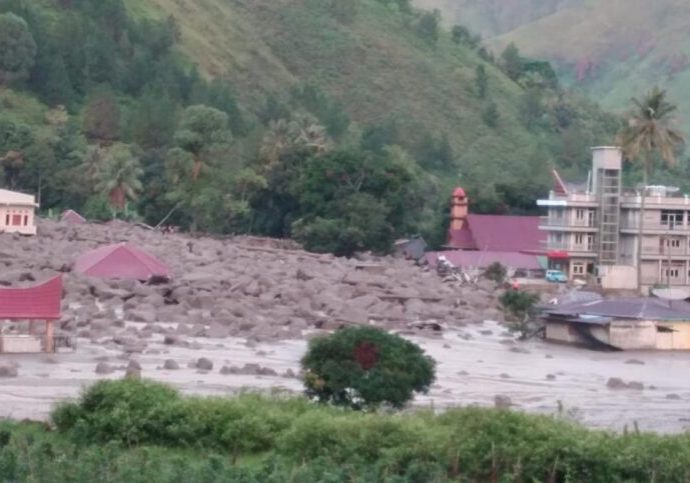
[(562, 332), (21, 344), (650, 244), (677, 339), (650, 273), (627, 334), (12, 214), (651, 217), (632, 334), (618, 277)]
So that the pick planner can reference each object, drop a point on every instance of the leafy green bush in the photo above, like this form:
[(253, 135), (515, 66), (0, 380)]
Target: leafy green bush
[(136, 412), (496, 272), (520, 307), (364, 367), (128, 411), (519, 304), (252, 438)]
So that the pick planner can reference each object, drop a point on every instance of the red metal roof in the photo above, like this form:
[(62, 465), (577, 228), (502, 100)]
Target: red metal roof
[(462, 238), (482, 259), (41, 302), (72, 217), (498, 233), (121, 261)]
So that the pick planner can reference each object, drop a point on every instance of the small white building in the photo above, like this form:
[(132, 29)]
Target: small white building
[(17, 213)]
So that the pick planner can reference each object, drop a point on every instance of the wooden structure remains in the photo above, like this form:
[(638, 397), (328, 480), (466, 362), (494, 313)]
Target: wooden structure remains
[(31, 313)]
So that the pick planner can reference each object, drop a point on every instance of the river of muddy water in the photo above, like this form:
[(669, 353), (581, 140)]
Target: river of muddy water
[(474, 366)]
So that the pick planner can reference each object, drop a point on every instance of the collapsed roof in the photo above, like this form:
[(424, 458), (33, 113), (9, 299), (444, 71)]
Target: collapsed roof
[(121, 261)]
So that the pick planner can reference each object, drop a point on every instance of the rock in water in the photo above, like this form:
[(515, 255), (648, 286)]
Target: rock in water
[(104, 368), (8, 370), (204, 364)]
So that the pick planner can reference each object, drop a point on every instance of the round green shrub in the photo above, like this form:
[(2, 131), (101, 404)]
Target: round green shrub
[(365, 367), (128, 411)]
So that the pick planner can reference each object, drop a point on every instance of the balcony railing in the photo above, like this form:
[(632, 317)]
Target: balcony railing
[(569, 247), (654, 226), (566, 223), (656, 200), (681, 251), (580, 198)]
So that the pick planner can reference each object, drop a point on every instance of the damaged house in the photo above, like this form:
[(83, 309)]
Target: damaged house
[(624, 324)]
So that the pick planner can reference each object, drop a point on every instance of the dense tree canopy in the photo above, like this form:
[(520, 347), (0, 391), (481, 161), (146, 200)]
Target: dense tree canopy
[(17, 48)]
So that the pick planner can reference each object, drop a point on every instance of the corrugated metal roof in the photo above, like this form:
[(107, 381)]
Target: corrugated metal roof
[(499, 233), (121, 261), (641, 308), (41, 302), (13, 198), (462, 239), (482, 259), (72, 217)]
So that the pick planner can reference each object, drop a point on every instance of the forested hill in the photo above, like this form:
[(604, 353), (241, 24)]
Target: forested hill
[(343, 123), (612, 49)]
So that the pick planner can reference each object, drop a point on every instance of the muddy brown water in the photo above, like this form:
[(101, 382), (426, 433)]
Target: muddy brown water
[(474, 366)]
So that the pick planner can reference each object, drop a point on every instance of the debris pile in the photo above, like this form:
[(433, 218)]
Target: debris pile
[(255, 288)]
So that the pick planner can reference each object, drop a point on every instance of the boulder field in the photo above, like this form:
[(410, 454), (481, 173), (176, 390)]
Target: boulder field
[(254, 288)]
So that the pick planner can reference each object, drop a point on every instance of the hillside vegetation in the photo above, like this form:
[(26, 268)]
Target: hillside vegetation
[(613, 49), (304, 118)]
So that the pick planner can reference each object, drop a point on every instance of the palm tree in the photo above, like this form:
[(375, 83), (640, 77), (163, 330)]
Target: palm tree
[(310, 134), (284, 136), (119, 177), (91, 164), (649, 131), (278, 138)]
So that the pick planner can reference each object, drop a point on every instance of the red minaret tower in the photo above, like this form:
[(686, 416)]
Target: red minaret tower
[(458, 209)]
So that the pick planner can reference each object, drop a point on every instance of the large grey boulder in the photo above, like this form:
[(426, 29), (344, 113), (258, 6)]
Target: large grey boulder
[(104, 368), (204, 364), (8, 370)]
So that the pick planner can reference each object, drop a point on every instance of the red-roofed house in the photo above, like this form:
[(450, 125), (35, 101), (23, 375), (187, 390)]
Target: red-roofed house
[(498, 233), (515, 241), (38, 303)]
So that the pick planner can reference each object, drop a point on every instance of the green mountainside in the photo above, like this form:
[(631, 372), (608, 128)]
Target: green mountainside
[(376, 82), (612, 49)]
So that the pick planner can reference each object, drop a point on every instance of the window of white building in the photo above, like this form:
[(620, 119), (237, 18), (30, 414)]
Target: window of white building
[(578, 268), (671, 218), (672, 272)]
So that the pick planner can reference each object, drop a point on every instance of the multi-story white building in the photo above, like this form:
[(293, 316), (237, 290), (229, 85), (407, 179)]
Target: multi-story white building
[(592, 228)]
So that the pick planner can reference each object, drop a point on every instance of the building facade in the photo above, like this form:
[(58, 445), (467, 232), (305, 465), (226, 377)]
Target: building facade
[(593, 228), (17, 212)]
